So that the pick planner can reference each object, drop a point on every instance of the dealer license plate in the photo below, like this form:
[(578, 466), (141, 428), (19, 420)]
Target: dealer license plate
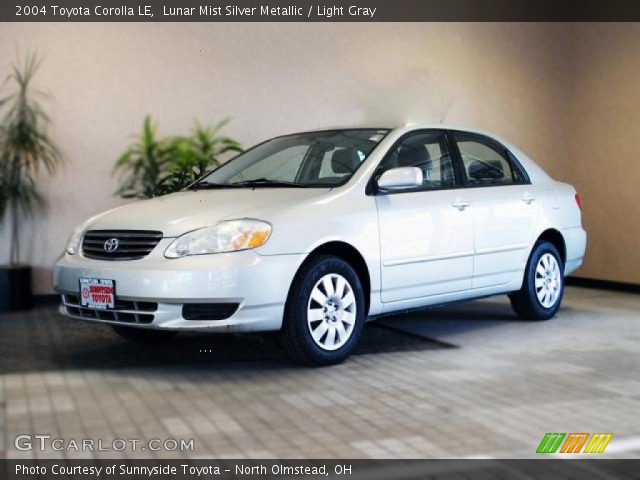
[(97, 293)]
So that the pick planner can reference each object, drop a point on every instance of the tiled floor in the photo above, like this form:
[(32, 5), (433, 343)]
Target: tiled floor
[(464, 381)]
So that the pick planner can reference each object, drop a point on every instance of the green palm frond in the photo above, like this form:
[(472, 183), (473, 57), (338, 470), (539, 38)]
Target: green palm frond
[(143, 163), (153, 167)]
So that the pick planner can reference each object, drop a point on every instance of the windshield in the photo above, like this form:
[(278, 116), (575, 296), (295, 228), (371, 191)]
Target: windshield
[(315, 159)]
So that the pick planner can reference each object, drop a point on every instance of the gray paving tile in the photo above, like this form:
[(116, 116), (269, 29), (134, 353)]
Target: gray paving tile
[(504, 385)]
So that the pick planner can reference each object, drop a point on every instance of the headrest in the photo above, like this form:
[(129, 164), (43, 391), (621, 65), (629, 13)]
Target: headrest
[(496, 164), (346, 160), (413, 155), (485, 170)]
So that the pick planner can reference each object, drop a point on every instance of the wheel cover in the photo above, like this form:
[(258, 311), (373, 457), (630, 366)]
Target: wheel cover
[(331, 312), (548, 280)]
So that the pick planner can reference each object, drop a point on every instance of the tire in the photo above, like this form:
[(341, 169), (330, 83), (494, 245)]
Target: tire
[(143, 335), (335, 316), (541, 301)]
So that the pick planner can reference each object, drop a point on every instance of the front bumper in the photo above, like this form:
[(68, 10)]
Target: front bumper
[(258, 284)]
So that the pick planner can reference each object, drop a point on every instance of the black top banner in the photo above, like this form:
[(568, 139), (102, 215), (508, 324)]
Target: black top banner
[(315, 11)]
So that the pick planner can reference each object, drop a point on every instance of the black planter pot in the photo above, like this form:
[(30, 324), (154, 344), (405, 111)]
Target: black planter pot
[(15, 288)]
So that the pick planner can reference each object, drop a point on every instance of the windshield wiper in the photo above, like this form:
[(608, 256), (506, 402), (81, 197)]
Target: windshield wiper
[(264, 182), (209, 186)]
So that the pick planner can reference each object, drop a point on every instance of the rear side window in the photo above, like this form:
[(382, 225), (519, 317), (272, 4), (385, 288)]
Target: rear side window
[(486, 162)]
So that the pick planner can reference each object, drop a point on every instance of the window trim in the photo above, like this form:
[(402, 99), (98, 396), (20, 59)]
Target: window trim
[(513, 161), (372, 185)]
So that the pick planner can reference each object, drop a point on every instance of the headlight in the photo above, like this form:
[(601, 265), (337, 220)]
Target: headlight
[(73, 245), (227, 236)]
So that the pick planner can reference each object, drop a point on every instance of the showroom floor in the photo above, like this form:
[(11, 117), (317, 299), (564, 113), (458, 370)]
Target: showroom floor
[(464, 381)]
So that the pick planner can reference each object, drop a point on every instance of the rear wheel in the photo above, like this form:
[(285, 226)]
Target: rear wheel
[(543, 284), (324, 312), (143, 334)]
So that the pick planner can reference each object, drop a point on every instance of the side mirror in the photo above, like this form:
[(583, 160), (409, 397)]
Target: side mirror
[(400, 178)]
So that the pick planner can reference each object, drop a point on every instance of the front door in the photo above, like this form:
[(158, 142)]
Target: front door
[(426, 233)]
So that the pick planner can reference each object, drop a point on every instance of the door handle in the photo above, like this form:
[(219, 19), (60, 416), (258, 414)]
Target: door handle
[(528, 197), (461, 203)]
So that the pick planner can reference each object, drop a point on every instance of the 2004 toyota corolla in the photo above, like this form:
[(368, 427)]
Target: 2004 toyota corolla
[(313, 233)]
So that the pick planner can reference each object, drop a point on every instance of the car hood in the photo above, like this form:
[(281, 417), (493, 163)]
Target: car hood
[(182, 212)]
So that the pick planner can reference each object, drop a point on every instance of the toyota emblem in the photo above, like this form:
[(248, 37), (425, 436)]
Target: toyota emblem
[(111, 245)]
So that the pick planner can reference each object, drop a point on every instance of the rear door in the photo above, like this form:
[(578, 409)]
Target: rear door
[(505, 208), (426, 233)]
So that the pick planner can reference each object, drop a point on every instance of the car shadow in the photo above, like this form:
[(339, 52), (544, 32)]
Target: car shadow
[(44, 340), (444, 323)]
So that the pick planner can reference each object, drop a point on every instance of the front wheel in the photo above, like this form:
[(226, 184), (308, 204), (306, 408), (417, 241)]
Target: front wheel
[(324, 312), (543, 284)]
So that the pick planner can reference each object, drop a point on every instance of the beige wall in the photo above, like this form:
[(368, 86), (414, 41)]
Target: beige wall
[(603, 138), (512, 79)]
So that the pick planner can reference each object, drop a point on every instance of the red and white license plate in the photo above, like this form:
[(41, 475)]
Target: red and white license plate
[(97, 293)]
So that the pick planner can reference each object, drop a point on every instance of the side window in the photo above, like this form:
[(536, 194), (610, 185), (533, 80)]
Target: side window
[(486, 163), (428, 152)]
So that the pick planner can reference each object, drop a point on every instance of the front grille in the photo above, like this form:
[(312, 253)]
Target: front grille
[(131, 244), (208, 311), (125, 310)]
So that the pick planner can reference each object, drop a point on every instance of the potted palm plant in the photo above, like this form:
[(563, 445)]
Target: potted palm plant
[(25, 149), (144, 164), (154, 166), (194, 155)]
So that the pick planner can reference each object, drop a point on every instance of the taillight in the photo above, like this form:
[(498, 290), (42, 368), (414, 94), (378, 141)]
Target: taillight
[(578, 201)]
